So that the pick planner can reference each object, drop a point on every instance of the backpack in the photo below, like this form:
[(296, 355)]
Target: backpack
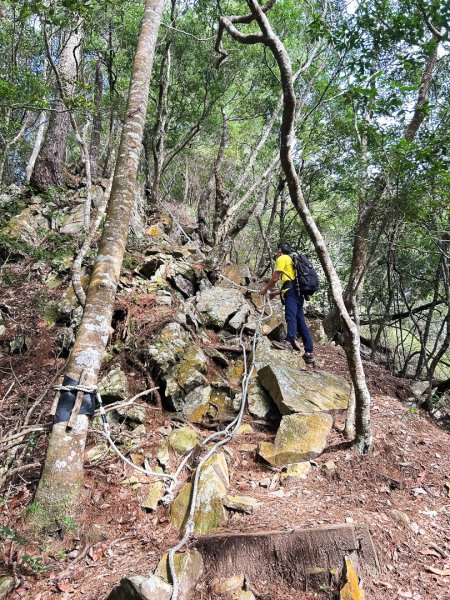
[(307, 281)]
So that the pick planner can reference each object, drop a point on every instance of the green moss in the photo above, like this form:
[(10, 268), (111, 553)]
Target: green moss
[(131, 262), (54, 510), (50, 312)]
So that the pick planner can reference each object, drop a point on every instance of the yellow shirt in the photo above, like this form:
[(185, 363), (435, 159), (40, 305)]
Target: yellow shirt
[(285, 265)]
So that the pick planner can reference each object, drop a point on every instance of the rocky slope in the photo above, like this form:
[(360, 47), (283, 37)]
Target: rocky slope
[(178, 329)]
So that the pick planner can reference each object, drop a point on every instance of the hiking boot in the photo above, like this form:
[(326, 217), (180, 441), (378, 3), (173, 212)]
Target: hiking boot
[(297, 346), (309, 359), (284, 345)]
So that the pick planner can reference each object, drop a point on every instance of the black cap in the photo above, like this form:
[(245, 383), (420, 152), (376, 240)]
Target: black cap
[(284, 247)]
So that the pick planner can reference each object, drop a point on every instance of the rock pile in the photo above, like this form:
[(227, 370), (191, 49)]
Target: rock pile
[(196, 361)]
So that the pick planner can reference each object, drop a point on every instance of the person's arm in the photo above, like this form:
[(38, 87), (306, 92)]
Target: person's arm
[(271, 283)]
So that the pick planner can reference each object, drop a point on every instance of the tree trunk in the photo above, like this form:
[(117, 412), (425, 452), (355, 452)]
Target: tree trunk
[(36, 146), (363, 436), (97, 122), (49, 167), (61, 479)]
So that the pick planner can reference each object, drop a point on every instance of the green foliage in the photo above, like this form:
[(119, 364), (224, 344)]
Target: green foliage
[(69, 524), (355, 102), (13, 535), (55, 251), (35, 564)]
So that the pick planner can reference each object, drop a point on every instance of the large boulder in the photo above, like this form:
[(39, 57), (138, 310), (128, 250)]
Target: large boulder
[(219, 305), (300, 437), (188, 568), (298, 391), (239, 274), (266, 354), (140, 587), (212, 488), (30, 225)]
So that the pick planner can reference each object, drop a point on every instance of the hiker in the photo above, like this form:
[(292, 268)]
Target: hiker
[(293, 304)]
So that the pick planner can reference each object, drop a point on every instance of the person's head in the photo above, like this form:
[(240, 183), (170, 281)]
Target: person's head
[(283, 248)]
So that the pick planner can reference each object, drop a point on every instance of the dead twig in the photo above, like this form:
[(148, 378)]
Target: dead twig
[(26, 432), (7, 392), (22, 469), (125, 403)]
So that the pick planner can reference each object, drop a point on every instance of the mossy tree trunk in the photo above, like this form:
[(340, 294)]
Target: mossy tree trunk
[(62, 476)]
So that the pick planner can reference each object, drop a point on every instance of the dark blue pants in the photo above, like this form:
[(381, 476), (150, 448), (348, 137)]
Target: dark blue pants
[(295, 319)]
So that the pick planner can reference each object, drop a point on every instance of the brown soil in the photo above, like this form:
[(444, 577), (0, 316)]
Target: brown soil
[(401, 491)]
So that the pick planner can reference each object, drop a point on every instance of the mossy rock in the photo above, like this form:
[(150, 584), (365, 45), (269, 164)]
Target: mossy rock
[(300, 437), (296, 471), (351, 589), (189, 568), (114, 386), (188, 374), (295, 390), (183, 440), (7, 584), (212, 488), (218, 408)]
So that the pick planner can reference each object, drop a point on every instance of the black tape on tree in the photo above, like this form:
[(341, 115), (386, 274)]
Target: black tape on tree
[(67, 400)]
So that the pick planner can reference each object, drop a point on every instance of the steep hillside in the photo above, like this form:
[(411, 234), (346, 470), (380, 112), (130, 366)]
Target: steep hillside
[(177, 331)]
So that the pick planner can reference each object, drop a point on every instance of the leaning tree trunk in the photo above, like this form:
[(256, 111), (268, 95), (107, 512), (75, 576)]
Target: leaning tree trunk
[(49, 166), (363, 438), (40, 128), (62, 476)]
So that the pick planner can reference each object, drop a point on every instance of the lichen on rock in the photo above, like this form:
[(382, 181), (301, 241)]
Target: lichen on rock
[(212, 488)]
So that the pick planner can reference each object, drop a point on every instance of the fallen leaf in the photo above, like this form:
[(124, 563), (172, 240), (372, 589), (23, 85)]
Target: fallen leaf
[(97, 552), (63, 586), (443, 572)]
